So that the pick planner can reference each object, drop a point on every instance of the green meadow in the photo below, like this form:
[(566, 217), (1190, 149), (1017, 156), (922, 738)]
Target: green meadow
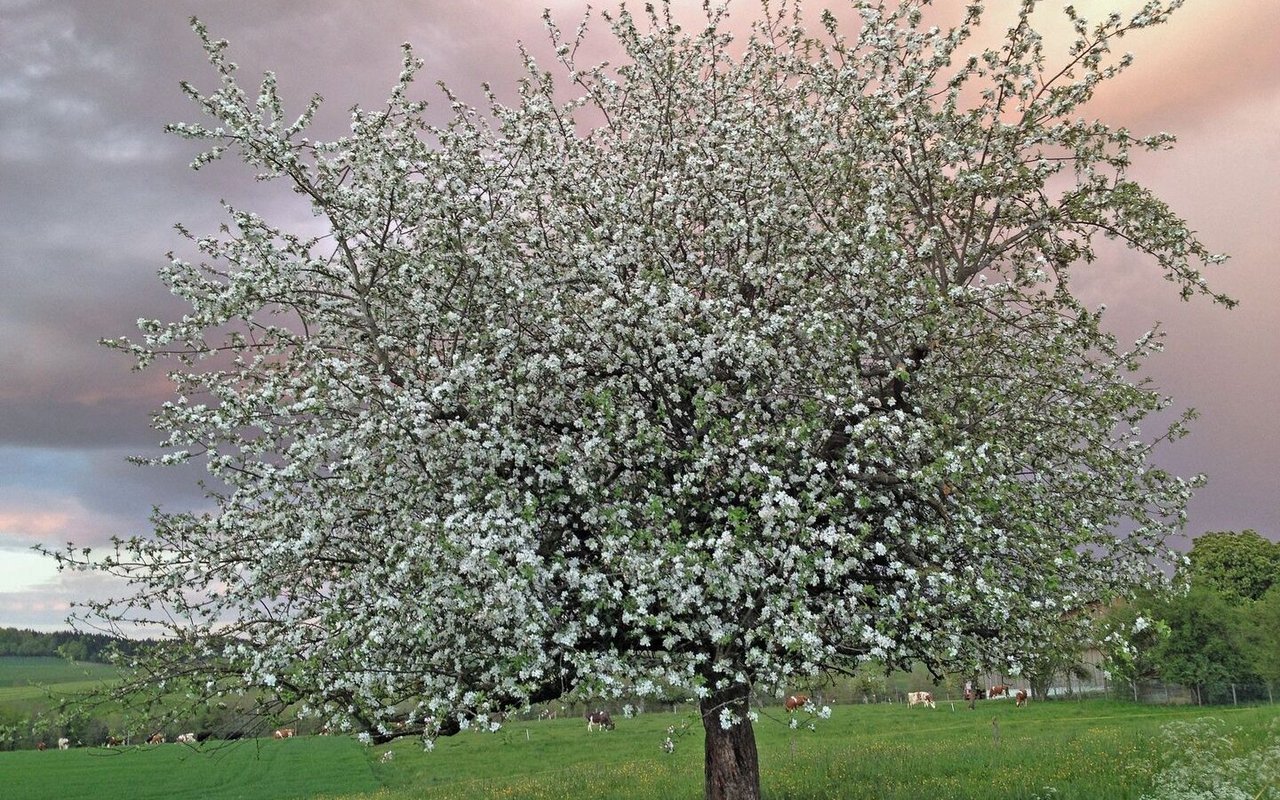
[(31, 671), (245, 770), (1090, 751), (31, 683), (1063, 749)]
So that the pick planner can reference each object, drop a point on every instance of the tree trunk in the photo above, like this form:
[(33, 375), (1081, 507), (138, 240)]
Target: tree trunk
[(732, 767)]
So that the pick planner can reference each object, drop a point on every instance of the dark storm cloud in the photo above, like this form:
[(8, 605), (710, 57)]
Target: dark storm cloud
[(52, 423), (114, 485)]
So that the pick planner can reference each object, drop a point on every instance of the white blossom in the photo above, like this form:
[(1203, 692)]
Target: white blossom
[(686, 381)]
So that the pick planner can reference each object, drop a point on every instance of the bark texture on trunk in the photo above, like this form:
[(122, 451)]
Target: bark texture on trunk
[(732, 766)]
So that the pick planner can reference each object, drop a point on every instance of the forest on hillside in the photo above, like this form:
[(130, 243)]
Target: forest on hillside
[(71, 645)]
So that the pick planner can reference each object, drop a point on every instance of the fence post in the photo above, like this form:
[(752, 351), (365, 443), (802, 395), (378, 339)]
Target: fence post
[(1233, 695)]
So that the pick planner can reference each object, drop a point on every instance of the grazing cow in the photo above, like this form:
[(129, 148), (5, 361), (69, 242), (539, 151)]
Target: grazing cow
[(41, 746), (795, 701), (186, 738), (156, 738), (999, 690), (284, 733), (114, 741), (920, 699), (600, 719), (64, 743), (1021, 697)]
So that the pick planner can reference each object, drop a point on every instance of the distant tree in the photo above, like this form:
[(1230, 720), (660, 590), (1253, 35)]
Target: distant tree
[(1205, 647), (1262, 635), (1128, 637), (80, 646), (1058, 655), (73, 650), (755, 360), (12, 730), (869, 680), (1240, 566)]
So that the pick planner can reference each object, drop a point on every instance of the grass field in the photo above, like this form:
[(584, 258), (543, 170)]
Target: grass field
[(32, 683), (1096, 750), (294, 768), (29, 671)]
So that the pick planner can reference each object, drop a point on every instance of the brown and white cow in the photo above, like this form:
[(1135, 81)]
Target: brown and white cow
[(600, 719), (114, 741), (186, 738), (795, 701), (156, 738), (920, 699), (64, 743), (1021, 697), (284, 733), (41, 746), (999, 690)]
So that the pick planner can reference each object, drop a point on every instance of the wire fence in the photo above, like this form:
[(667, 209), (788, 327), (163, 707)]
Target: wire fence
[(896, 690), (1153, 692), (1209, 694)]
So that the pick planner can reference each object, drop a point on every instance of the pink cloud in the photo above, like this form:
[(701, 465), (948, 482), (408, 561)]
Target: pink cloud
[(33, 516), (34, 524)]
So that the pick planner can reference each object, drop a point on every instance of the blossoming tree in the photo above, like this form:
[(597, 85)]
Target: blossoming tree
[(737, 362)]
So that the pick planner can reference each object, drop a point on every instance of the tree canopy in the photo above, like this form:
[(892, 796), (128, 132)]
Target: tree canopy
[(1207, 642), (72, 645), (1241, 565), (747, 360), (1262, 637)]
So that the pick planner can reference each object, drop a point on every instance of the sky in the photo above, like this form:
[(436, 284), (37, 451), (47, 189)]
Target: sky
[(91, 185)]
